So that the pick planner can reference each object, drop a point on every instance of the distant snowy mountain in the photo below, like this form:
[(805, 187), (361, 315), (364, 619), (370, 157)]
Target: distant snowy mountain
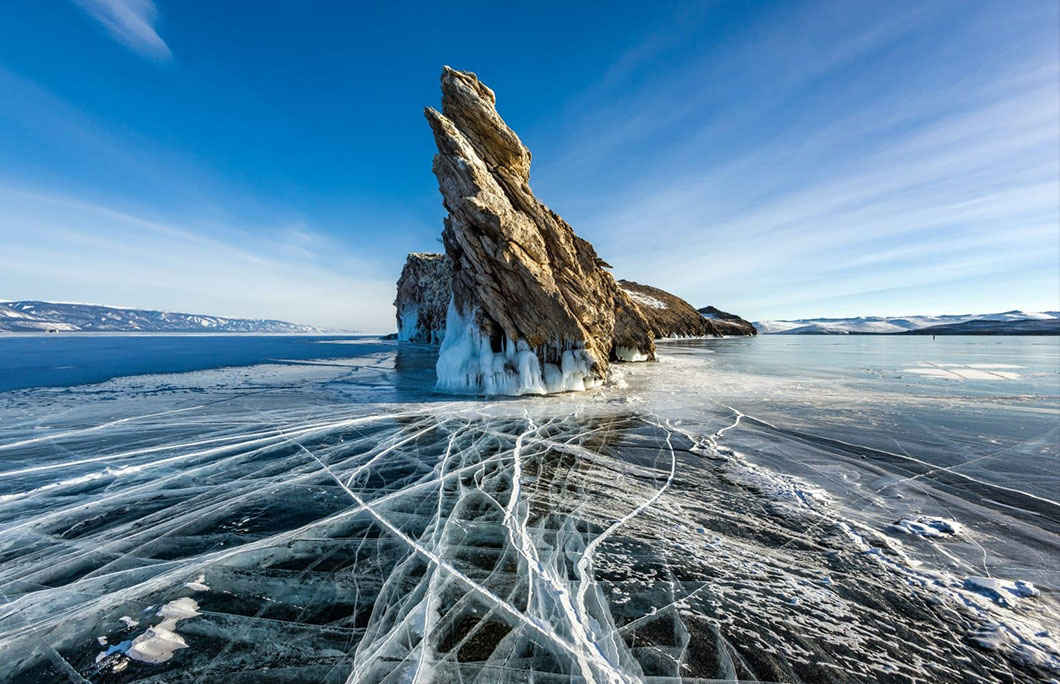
[(29, 316), (1021, 322)]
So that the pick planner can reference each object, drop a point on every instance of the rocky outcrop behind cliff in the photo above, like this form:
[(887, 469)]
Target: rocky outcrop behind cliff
[(672, 317), (423, 293), (533, 309), (667, 314), (726, 323)]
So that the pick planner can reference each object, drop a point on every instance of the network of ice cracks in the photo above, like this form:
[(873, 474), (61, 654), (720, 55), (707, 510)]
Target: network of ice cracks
[(452, 542)]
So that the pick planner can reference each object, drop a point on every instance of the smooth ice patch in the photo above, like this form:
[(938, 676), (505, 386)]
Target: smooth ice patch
[(971, 371)]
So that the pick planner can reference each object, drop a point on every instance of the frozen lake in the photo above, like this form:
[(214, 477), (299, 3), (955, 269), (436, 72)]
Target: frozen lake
[(284, 509)]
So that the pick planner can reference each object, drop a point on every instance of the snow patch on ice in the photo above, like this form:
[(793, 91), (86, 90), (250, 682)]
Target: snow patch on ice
[(1005, 592), (198, 584), (73, 482), (991, 603), (792, 495), (158, 643), (928, 526), (1040, 650)]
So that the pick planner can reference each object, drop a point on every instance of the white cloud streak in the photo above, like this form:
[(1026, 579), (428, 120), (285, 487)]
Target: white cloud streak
[(131, 23), (825, 189), (66, 249)]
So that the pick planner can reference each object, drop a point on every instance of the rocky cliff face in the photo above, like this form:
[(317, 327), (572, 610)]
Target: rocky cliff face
[(423, 293), (670, 316), (533, 309), (726, 323), (667, 314)]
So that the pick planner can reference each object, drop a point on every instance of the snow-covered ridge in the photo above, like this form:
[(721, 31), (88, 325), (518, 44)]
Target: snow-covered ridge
[(36, 316), (645, 300), (890, 325)]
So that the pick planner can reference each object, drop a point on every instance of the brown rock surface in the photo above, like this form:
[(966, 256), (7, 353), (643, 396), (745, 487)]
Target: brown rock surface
[(670, 316), (522, 280), (727, 323), (423, 293), (667, 314)]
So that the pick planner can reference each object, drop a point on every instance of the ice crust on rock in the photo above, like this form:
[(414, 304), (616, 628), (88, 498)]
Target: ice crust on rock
[(630, 354), (467, 363)]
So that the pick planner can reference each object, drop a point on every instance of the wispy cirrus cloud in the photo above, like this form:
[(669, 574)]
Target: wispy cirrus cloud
[(131, 23), (886, 172), (61, 248)]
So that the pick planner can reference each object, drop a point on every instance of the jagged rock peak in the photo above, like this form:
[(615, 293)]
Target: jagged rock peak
[(423, 293), (533, 309), (471, 106)]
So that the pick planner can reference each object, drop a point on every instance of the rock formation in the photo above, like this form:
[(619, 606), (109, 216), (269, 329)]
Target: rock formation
[(533, 309), (423, 293), (667, 314), (670, 316), (726, 323)]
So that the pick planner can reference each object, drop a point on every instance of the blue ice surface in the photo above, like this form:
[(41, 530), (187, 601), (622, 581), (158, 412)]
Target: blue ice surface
[(67, 360)]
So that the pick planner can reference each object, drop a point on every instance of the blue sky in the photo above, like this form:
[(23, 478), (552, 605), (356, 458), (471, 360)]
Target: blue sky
[(779, 160)]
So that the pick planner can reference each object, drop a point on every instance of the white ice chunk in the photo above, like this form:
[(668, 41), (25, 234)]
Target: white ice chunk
[(928, 526), (158, 643), (199, 584)]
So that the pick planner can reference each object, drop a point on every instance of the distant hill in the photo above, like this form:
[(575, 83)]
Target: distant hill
[(30, 316), (1029, 326), (1007, 323)]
